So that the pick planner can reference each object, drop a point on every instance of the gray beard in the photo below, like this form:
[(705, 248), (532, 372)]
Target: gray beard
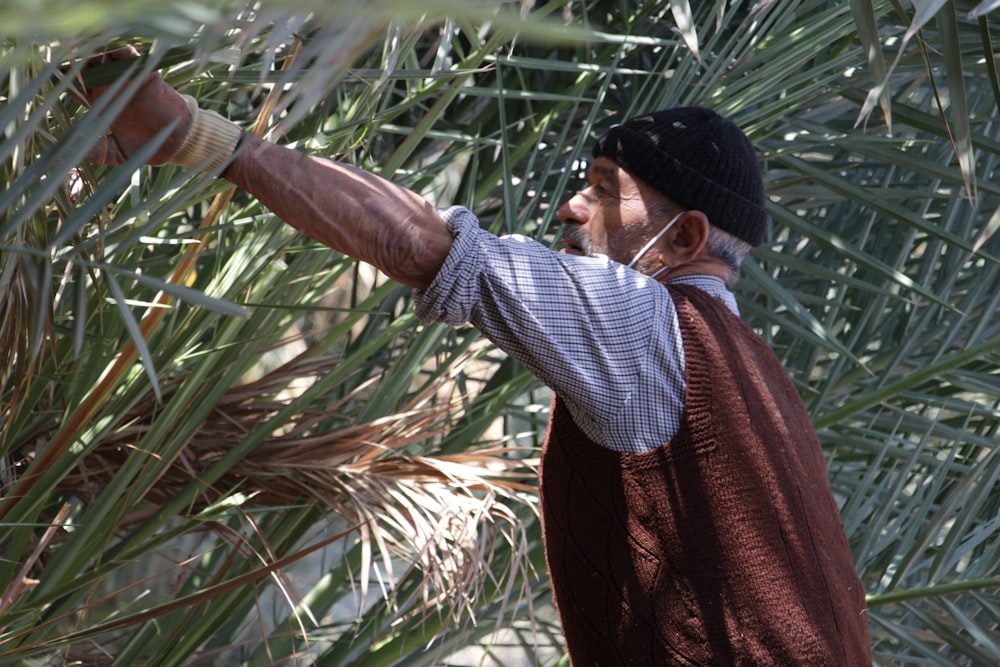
[(577, 236)]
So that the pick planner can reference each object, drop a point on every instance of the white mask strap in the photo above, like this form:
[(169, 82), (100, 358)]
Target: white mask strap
[(644, 249), (655, 274)]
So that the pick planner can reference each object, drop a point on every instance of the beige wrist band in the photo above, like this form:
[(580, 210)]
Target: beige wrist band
[(210, 142)]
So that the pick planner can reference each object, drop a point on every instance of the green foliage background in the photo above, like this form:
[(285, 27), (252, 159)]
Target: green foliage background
[(223, 444)]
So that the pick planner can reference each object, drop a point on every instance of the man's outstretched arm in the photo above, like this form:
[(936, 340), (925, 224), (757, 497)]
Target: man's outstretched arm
[(348, 209)]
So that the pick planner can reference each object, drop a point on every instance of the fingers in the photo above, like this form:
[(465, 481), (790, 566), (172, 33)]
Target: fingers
[(150, 106), (121, 53), (86, 94)]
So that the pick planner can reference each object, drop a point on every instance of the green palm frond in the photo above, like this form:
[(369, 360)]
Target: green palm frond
[(224, 444)]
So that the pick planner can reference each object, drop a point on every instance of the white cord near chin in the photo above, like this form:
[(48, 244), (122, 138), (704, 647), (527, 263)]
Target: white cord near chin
[(649, 244), (656, 274)]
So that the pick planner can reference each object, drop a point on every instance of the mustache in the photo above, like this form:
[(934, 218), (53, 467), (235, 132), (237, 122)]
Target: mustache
[(576, 236)]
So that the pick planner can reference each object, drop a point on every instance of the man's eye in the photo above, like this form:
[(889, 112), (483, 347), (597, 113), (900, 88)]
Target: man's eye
[(603, 193)]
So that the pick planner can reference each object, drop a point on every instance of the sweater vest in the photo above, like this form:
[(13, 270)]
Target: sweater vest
[(723, 546)]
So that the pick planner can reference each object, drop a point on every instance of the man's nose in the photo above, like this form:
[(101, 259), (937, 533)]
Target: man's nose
[(575, 210)]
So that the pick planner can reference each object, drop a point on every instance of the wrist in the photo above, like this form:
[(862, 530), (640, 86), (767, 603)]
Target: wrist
[(211, 140)]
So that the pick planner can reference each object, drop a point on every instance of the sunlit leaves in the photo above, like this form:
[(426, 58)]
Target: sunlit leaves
[(298, 398)]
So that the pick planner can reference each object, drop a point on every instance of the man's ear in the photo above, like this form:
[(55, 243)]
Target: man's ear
[(686, 239)]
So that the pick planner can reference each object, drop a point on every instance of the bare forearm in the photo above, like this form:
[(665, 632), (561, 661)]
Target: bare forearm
[(350, 210)]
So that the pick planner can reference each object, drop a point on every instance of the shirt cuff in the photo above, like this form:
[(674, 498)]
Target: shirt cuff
[(454, 293)]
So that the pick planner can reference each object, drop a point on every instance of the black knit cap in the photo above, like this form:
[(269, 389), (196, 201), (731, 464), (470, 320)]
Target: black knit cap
[(699, 160)]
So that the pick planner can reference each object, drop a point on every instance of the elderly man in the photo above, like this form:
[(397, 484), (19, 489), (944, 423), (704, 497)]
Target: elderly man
[(687, 515)]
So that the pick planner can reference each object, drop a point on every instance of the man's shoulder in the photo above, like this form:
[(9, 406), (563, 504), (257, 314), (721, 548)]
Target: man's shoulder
[(701, 285)]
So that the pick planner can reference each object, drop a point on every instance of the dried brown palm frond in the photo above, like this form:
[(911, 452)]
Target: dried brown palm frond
[(446, 516), (877, 288), (318, 446)]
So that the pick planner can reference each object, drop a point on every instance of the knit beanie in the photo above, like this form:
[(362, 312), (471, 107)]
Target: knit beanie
[(699, 160)]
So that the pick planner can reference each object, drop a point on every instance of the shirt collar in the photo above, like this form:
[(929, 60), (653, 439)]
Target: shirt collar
[(711, 284)]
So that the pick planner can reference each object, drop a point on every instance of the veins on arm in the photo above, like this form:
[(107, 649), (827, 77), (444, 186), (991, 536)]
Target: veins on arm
[(350, 210)]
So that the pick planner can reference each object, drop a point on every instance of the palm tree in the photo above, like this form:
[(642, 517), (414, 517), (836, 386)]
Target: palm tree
[(224, 444)]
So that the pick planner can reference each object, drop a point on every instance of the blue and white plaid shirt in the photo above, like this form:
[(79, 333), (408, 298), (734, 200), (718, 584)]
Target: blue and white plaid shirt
[(604, 337)]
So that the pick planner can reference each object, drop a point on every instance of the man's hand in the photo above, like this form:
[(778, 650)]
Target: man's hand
[(153, 106), (200, 138), (350, 210)]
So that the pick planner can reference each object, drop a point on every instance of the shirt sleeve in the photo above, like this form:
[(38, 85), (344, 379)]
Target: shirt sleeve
[(603, 336)]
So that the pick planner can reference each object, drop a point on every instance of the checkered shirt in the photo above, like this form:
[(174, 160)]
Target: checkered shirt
[(604, 337)]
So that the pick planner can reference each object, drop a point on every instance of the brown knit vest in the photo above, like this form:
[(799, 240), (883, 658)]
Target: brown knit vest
[(724, 546)]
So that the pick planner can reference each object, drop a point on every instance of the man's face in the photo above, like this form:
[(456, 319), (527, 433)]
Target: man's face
[(611, 215)]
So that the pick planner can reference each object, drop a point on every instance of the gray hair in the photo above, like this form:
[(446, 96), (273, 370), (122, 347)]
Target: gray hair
[(729, 249), (721, 245)]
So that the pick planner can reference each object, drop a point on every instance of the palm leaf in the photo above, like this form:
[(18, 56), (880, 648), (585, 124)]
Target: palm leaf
[(298, 399)]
